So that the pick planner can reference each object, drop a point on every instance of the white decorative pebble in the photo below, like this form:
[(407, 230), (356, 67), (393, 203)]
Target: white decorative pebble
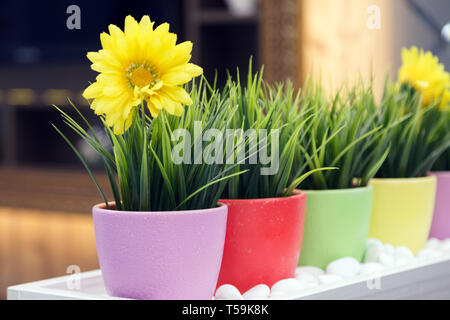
[(404, 253), (307, 278), (310, 284), (287, 286), (386, 259), (228, 292), (344, 267), (372, 241), (373, 251), (428, 253), (329, 278), (433, 243), (370, 268), (401, 262), (309, 270), (389, 249), (259, 292), (445, 245)]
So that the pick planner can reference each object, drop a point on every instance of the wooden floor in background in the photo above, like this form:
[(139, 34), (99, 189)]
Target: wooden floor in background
[(45, 224)]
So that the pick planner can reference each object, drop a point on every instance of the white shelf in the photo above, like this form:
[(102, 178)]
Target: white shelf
[(91, 288), (420, 280)]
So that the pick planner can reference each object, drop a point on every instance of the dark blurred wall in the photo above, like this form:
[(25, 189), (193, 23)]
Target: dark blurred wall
[(410, 29), (35, 31)]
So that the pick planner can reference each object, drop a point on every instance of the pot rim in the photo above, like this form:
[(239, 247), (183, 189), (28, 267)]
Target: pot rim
[(297, 193), (402, 180), (101, 209), (443, 173), (343, 190)]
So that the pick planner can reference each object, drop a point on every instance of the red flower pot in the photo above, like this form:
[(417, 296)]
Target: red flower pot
[(263, 240)]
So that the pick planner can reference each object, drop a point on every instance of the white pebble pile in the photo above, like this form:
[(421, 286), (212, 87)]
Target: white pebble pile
[(378, 257)]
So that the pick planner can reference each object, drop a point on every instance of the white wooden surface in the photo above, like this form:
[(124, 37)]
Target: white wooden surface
[(420, 280), (91, 287)]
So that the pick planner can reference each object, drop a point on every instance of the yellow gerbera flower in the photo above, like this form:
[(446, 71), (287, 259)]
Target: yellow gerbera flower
[(137, 64), (424, 73)]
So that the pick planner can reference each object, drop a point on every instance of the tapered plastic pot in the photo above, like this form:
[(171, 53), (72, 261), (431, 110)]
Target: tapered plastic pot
[(402, 210), (336, 225), (160, 255), (263, 240), (440, 226)]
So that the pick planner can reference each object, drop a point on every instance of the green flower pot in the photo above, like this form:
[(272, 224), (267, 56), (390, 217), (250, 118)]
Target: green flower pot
[(336, 225)]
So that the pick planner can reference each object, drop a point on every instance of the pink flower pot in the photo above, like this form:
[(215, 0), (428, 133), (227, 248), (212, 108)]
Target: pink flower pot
[(440, 227), (160, 255)]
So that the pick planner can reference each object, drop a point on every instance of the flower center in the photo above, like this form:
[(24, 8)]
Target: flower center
[(141, 75)]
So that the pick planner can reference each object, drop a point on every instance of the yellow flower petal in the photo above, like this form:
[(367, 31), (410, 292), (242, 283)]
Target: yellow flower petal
[(178, 94), (93, 56), (445, 101), (178, 109), (193, 70), (162, 28), (131, 26), (182, 74), (115, 32), (145, 21), (153, 110), (157, 103), (93, 91)]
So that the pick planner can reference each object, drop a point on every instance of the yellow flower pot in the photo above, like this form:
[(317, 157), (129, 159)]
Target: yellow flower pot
[(402, 210)]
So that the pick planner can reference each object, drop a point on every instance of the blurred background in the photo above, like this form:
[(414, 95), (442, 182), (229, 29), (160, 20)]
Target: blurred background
[(45, 195)]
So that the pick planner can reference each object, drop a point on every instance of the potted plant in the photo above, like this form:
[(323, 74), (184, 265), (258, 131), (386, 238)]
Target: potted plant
[(440, 226), (403, 193), (265, 212), (346, 132), (162, 237)]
